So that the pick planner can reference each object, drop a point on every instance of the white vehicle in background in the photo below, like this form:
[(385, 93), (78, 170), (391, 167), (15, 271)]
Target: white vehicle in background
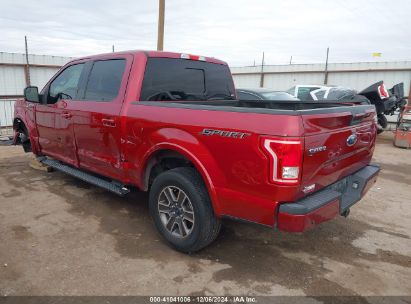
[(320, 92), (303, 92)]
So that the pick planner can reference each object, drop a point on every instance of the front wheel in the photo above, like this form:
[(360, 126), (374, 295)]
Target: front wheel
[(181, 209)]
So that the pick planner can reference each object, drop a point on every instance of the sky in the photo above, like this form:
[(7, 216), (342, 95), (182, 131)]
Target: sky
[(235, 31)]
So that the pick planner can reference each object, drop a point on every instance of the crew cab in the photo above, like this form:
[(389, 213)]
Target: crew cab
[(171, 124)]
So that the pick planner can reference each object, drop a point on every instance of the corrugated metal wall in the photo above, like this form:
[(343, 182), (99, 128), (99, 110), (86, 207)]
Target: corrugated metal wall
[(354, 75), (13, 78)]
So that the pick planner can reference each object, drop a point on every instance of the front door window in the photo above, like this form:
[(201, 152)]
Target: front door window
[(65, 85)]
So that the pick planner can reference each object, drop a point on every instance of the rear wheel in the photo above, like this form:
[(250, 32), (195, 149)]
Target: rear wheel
[(382, 120), (181, 209)]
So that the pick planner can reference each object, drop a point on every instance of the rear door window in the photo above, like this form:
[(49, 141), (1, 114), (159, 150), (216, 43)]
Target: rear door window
[(104, 80), (180, 79)]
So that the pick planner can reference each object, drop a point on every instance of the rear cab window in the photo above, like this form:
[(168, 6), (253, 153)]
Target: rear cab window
[(181, 79)]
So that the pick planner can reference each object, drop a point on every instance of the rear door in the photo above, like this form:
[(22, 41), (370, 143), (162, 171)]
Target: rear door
[(96, 115), (337, 144)]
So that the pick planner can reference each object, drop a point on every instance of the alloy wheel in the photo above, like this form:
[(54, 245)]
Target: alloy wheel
[(176, 211)]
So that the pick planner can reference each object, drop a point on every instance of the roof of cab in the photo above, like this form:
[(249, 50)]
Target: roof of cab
[(158, 54)]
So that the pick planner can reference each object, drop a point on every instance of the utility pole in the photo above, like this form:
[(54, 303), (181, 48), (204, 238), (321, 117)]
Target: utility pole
[(262, 72), (27, 71), (326, 67), (160, 34), (112, 48)]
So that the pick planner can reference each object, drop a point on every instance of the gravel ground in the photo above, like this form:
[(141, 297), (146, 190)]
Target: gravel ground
[(60, 236)]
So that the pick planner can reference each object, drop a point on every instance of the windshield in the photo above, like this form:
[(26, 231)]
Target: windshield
[(291, 90), (278, 96), (181, 79)]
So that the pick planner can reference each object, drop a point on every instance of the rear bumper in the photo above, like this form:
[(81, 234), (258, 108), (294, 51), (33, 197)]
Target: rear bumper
[(326, 203)]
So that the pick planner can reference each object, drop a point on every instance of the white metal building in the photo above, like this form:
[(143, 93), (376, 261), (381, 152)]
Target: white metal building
[(14, 77), (353, 75)]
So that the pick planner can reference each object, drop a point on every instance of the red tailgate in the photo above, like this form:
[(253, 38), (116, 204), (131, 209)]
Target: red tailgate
[(336, 145)]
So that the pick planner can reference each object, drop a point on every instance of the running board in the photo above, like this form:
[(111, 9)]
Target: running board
[(112, 186)]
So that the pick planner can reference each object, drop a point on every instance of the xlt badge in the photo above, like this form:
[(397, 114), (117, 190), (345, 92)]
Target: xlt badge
[(314, 150)]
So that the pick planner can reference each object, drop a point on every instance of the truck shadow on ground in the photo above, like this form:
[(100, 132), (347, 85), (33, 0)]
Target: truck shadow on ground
[(255, 256)]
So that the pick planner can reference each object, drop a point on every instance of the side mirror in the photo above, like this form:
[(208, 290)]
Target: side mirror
[(31, 94)]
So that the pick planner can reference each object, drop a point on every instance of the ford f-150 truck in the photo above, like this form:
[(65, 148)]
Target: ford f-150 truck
[(171, 124)]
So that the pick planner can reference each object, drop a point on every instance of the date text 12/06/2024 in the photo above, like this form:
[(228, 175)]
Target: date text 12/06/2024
[(204, 299)]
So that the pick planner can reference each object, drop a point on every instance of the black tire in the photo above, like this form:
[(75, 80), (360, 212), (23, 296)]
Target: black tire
[(382, 120), (206, 225), (24, 138)]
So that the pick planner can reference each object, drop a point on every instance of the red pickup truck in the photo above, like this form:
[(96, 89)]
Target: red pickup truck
[(171, 124)]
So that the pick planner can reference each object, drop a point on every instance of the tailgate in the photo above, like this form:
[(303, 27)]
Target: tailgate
[(337, 144)]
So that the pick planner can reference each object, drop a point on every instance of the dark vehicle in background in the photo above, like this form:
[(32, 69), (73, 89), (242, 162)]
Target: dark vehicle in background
[(386, 101), (263, 94)]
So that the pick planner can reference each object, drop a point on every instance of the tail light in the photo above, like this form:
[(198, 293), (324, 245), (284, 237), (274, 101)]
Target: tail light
[(285, 155), (382, 91)]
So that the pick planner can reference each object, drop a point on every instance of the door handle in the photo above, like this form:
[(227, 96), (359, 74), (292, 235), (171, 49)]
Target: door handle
[(108, 122), (66, 115)]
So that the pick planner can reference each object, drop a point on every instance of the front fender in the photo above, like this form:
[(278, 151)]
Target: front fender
[(26, 115), (192, 149)]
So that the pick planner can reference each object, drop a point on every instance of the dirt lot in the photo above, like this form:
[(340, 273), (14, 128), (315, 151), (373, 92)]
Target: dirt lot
[(60, 236)]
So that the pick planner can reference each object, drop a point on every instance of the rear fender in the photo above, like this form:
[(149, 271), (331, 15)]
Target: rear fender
[(189, 147)]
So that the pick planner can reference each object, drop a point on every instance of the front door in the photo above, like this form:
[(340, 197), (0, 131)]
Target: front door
[(53, 120)]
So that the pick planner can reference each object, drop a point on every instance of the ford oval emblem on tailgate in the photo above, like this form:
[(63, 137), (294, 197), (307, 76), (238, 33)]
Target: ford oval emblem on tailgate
[(351, 140)]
